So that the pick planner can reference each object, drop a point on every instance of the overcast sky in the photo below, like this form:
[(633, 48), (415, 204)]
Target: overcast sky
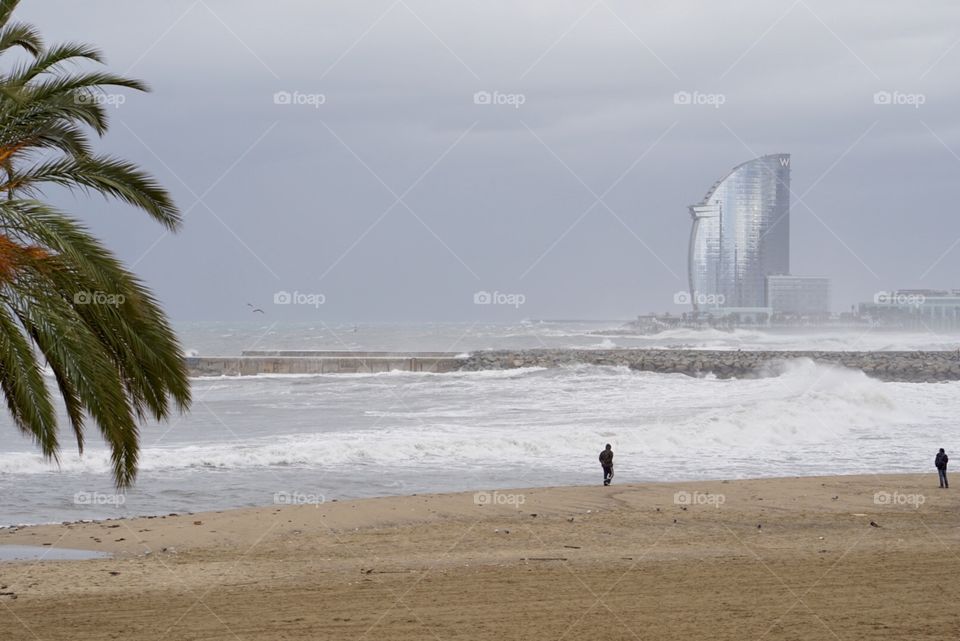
[(399, 197)]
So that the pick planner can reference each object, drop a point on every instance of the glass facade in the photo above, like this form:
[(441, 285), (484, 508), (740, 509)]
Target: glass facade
[(799, 295), (741, 235), (919, 309)]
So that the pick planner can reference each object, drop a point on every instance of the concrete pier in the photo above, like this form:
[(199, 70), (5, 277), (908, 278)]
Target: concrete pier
[(252, 363), (314, 353)]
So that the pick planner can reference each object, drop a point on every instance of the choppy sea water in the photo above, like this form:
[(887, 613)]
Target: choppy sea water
[(254, 441), (218, 339)]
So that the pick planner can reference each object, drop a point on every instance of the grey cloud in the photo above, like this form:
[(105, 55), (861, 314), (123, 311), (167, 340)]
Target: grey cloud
[(500, 211)]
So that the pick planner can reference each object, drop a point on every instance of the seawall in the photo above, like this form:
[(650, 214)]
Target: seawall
[(887, 366), (304, 362)]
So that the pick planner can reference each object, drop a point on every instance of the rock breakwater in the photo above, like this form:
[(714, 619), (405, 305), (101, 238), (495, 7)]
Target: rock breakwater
[(915, 366)]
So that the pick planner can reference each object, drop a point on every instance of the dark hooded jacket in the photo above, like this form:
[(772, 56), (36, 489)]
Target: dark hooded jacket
[(606, 458), (941, 460)]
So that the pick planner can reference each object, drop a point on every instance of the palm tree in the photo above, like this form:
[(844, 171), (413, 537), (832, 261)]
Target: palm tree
[(66, 303)]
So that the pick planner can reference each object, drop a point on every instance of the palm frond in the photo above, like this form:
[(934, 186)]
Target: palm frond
[(109, 176), (92, 81), (51, 61), (64, 297), (71, 348), (24, 389), (136, 331), (21, 35), (7, 7)]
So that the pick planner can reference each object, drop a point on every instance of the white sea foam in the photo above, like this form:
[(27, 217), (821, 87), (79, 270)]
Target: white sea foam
[(552, 418)]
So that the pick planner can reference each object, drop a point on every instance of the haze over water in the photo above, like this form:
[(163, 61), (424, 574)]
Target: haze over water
[(231, 338)]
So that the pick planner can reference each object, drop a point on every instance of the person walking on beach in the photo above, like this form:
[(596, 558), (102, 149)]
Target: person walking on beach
[(606, 462), (941, 463)]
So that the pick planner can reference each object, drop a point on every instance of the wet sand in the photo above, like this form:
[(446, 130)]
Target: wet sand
[(807, 558)]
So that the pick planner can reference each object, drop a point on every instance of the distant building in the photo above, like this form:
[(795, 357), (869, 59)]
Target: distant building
[(739, 254), (741, 235), (802, 296), (923, 309)]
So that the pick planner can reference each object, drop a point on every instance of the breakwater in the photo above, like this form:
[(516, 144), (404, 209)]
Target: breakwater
[(323, 362), (887, 366)]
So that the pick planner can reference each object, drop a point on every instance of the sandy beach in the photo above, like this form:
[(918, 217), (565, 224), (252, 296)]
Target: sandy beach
[(794, 558)]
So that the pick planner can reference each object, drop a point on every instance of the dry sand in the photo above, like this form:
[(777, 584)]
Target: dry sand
[(793, 558)]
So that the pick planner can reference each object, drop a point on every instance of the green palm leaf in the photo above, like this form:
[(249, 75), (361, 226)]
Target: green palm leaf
[(21, 35), (66, 302)]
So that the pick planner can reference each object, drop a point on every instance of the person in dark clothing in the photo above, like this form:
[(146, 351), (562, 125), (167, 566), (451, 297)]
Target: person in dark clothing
[(606, 462), (941, 463)]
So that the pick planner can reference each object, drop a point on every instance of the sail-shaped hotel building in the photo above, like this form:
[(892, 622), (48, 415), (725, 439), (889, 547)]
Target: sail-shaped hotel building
[(741, 235)]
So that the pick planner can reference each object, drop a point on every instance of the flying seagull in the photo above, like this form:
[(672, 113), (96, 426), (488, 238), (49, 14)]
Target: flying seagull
[(255, 309)]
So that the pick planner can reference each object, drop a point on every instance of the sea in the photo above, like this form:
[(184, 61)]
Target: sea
[(272, 439)]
